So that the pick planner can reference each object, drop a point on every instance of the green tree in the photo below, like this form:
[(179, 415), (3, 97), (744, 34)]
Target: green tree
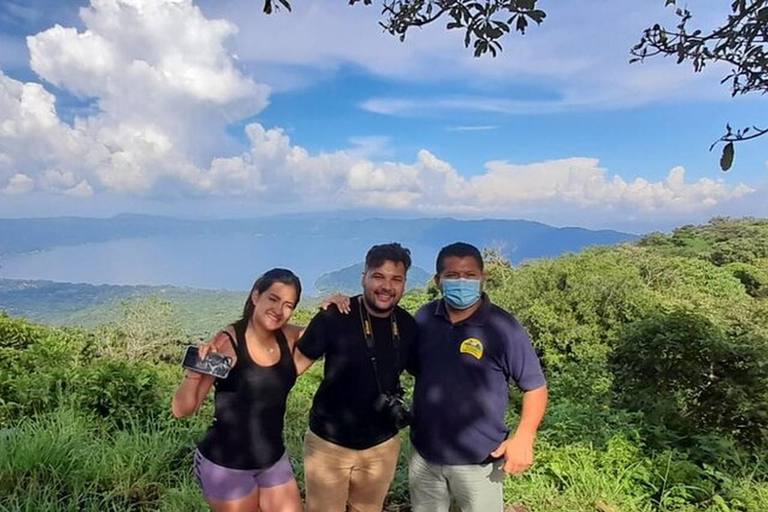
[(574, 307), (148, 328), (690, 377), (721, 241)]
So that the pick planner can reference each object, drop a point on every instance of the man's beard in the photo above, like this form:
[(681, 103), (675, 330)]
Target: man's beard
[(370, 303)]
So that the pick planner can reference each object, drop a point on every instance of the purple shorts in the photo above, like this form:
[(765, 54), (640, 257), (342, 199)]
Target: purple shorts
[(224, 484)]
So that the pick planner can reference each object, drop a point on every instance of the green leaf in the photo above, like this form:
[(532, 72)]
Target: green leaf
[(726, 161), (521, 24), (270, 7), (537, 16)]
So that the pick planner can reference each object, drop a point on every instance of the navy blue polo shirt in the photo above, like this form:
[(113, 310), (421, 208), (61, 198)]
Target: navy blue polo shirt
[(463, 372)]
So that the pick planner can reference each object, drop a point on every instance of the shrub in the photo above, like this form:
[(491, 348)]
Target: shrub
[(37, 365), (17, 333), (690, 378), (754, 278), (122, 392)]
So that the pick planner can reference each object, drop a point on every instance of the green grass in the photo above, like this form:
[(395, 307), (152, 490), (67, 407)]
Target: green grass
[(67, 460)]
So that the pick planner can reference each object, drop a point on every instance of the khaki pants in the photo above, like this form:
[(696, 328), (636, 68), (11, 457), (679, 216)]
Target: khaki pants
[(335, 476)]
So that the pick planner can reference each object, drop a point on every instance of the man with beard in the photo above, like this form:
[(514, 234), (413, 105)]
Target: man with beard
[(352, 447)]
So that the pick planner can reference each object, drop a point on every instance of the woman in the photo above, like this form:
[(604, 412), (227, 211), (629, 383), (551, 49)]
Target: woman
[(241, 463)]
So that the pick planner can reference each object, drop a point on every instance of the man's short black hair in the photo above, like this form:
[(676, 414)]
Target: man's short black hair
[(395, 252), (459, 250)]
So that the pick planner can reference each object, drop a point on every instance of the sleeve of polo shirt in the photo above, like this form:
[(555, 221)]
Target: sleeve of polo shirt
[(522, 362), (314, 341)]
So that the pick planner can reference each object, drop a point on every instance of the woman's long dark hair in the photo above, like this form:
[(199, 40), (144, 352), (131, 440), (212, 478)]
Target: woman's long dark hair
[(267, 279)]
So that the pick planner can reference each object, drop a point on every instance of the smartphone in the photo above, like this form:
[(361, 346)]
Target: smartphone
[(213, 364)]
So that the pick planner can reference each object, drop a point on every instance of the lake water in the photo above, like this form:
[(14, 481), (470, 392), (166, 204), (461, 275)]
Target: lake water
[(230, 261)]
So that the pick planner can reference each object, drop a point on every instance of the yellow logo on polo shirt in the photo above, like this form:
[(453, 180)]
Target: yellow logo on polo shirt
[(473, 347)]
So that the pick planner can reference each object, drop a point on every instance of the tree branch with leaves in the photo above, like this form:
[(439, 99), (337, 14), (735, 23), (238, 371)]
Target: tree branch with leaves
[(484, 22), (742, 43)]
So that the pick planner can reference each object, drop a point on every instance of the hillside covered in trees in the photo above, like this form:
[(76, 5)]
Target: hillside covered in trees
[(656, 354)]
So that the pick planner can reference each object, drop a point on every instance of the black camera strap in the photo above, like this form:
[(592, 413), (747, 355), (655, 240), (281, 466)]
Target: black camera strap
[(365, 321)]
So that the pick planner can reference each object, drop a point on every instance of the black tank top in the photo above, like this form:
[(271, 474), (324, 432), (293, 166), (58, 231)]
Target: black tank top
[(247, 430)]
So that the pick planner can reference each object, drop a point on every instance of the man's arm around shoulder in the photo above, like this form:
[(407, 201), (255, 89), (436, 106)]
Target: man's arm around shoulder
[(312, 343)]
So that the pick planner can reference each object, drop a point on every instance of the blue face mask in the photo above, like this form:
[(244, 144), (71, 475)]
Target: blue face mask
[(460, 293)]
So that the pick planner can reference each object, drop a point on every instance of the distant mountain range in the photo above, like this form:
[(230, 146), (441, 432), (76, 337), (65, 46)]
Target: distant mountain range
[(304, 238), (201, 311), (517, 239)]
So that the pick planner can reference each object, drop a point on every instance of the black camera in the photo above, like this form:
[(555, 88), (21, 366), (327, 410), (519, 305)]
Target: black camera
[(392, 407)]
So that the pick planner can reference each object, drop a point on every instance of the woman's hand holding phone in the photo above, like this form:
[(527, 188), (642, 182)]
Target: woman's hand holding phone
[(200, 375), (220, 344)]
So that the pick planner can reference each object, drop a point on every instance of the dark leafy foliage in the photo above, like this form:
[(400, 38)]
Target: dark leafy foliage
[(121, 392), (690, 377), (485, 23)]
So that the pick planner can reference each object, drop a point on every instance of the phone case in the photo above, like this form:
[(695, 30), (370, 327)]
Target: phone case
[(214, 364)]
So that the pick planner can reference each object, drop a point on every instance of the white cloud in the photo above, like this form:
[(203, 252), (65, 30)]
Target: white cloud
[(414, 107), (167, 48), (631, 88), (582, 182), (18, 184), (65, 183), (473, 128), (370, 146), (165, 88), (82, 189), (56, 180), (430, 185), (32, 136), (579, 56)]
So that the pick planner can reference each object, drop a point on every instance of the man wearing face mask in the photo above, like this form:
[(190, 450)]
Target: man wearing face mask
[(467, 353)]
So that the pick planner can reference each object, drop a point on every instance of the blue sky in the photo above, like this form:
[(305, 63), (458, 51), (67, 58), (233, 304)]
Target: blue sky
[(210, 109)]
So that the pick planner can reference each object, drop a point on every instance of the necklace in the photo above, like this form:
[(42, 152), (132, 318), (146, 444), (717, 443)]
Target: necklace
[(261, 346)]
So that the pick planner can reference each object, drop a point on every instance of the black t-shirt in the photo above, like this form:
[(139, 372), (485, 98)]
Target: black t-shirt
[(342, 410)]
